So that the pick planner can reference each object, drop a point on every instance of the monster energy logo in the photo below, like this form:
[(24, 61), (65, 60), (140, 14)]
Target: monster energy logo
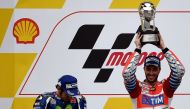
[(68, 106)]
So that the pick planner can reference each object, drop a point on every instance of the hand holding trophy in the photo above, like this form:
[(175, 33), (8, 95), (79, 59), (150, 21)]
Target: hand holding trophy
[(147, 29)]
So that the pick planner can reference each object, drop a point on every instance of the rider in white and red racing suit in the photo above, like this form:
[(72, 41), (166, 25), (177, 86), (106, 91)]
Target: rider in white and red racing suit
[(159, 95)]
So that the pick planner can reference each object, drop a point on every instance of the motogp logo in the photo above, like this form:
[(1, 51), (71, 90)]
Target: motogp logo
[(86, 38)]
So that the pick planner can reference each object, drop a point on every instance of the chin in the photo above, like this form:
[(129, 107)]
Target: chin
[(151, 81)]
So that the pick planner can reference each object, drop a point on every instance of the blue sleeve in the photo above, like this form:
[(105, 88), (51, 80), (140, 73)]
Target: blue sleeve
[(40, 103), (82, 103)]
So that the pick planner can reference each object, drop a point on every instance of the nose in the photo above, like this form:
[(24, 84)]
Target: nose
[(151, 71)]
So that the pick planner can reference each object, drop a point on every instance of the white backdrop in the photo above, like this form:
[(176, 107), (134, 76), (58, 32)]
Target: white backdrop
[(57, 60)]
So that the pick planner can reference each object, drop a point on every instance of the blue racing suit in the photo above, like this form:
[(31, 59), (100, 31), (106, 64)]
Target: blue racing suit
[(52, 101)]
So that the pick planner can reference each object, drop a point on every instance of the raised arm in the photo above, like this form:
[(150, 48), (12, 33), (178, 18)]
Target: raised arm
[(130, 81), (177, 70)]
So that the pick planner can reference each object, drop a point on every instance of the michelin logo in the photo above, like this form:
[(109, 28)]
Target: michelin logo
[(156, 100)]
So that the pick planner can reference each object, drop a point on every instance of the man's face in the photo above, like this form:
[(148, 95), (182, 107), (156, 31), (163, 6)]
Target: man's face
[(64, 96), (151, 73)]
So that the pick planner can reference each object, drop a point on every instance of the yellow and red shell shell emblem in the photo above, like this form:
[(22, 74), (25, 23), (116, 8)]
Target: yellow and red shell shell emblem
[(25, 30)]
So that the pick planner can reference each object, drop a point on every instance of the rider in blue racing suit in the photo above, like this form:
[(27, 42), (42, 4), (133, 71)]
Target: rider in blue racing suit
[(67, 96)]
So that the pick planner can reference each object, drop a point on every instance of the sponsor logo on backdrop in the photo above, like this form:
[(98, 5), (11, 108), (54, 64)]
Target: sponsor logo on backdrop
[(25, 31), (97, 57)]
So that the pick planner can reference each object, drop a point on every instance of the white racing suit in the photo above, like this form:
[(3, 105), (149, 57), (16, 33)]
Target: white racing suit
[(144, 95)]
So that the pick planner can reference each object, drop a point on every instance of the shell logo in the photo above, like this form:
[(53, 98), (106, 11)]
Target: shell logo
[(25, 30)]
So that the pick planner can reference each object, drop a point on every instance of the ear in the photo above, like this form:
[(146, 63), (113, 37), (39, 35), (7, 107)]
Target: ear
[(58, 87), (159, 70), (144, 68)]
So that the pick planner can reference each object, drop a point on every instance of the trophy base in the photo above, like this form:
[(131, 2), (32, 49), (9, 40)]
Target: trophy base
[(150, 39)]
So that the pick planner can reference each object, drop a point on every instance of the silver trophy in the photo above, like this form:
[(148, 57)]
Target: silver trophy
[(147, 28)]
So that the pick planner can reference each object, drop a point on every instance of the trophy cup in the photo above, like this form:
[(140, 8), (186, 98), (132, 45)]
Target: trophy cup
[(147, 28)]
